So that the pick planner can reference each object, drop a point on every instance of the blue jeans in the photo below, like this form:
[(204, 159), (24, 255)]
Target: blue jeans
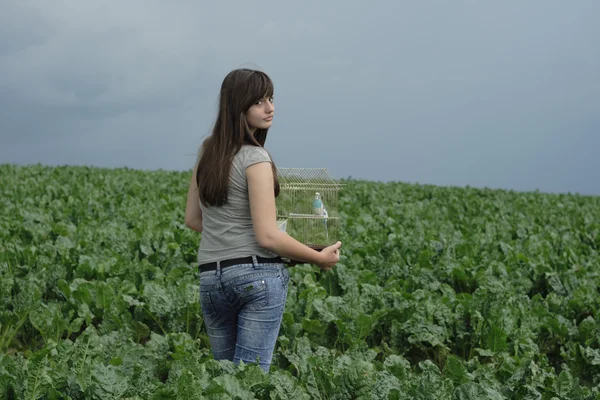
[(242, 306)]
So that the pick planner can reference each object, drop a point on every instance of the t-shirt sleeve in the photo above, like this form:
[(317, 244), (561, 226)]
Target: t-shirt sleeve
[(255, 155)]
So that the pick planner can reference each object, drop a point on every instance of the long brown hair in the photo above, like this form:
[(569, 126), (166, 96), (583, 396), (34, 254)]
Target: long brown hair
[(240, 89)]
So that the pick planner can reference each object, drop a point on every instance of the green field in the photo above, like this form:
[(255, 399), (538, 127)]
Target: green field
[(441, 293)]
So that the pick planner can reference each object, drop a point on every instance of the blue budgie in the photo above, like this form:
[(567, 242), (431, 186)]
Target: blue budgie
[(317, 204), (319, 209)]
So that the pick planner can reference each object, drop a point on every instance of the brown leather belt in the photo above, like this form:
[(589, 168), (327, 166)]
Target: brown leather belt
[(212, 266)]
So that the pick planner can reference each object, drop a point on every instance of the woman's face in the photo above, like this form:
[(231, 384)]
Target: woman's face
[(260, 114)]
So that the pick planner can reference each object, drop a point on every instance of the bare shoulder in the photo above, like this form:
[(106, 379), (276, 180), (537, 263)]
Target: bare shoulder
[(259, 173)]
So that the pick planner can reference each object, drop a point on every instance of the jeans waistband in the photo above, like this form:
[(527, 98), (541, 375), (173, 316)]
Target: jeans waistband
[(211, 266)]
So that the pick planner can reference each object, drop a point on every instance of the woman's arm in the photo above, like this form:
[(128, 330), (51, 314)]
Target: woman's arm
[(263, 211), (193, 213)]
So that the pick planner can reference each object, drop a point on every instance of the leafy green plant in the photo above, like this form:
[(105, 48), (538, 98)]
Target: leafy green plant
[(441, 292)]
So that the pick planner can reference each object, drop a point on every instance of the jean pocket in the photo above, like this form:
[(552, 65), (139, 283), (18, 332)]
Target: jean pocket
[(206, 304), (253, 295)]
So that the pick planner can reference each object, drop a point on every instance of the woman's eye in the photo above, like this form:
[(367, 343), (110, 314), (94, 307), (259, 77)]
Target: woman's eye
[(259, 102)]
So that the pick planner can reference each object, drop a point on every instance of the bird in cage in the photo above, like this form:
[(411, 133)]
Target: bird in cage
[(317, 204), (307, 206), (319, 209)]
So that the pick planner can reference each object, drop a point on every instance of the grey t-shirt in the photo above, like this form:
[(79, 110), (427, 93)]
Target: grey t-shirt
[(227, 231)]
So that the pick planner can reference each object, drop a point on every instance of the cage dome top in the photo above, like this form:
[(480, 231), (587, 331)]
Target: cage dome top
[(307, 179)]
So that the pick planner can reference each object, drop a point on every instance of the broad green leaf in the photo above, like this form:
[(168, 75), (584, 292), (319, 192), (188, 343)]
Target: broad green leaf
[(455, 370), (474, 391)]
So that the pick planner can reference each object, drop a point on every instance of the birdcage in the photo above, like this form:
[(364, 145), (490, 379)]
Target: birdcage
[(308, 206)]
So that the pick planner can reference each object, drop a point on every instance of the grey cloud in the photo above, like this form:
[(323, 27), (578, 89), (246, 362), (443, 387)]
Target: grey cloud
[(486, 94)]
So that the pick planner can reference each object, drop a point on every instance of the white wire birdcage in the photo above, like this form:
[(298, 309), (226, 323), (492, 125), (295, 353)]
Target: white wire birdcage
[(308, 206)]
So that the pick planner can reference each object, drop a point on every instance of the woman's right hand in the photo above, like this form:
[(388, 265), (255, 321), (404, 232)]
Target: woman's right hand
[(329, 256)]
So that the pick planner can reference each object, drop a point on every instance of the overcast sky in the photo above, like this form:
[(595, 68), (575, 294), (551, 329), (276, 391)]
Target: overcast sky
[(500, 94)]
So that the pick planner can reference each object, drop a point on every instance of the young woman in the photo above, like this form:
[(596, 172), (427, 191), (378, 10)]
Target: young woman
[(231, 200)]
